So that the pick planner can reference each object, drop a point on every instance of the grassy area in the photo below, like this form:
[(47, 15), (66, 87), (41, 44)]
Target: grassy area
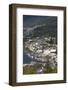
[(29, 70), (48, 69), (33, 69)]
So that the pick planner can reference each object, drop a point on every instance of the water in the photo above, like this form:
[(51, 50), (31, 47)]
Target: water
[(26, 59)]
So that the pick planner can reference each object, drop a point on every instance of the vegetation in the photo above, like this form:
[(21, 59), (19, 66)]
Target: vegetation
[(29, 70), (48, 69), (32, 69)]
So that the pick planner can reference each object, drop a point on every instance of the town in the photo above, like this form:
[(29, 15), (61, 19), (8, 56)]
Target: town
[(43, 52)]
